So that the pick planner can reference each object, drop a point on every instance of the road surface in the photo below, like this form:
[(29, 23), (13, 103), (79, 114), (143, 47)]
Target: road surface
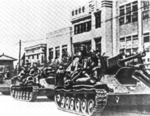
[(41, 107)]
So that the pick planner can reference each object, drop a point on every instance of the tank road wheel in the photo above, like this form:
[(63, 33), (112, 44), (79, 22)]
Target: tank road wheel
[(17, 95), (27, 96), (30, 96), (77, 105), (90, 106), (57, 99), (12, 93), (67, 104), (62, 102), (20, 95), (72, 103), (84, 106), (24, 95)]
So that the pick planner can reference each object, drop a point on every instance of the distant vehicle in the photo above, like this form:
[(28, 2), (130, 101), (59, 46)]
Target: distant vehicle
[(5, 80), (31, 88)]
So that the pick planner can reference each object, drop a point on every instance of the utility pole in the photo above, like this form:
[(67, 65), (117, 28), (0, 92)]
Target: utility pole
[(19, 56)]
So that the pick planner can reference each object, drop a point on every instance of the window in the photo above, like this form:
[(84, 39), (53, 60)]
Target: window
[(77, 46), (98, 20), (57, 50), (83, 8), (144, 60), (128, 13), (128, 42), (50, 53), (75, 29), (135, 50), (135, 40), (148, 59), (37, 56), (72, 13), (122, 12), (80, 28), (121, 20), (98, 44), (79, 10), (134, 11), (76, 12), (64, 50), (146, 9), (121, 50), (83, 27), (128, 51), (146, 38), (89, 26), (122, 43)]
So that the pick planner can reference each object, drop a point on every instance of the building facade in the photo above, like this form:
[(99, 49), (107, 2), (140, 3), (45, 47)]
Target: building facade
[(107, 26), (92, 26), (58, 43), (36, 53), (6, 64), (131, 27)]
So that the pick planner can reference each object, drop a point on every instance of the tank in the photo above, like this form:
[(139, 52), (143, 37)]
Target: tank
[(33, 88), (5, 84), (130, 84), (120, 87)]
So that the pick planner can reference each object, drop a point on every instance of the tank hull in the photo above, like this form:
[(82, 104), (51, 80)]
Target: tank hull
[(82, 100), (128, 103), (5, 87), (30, 93)]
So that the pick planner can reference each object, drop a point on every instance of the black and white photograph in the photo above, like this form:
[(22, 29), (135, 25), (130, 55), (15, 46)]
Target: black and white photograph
[(74, 57)]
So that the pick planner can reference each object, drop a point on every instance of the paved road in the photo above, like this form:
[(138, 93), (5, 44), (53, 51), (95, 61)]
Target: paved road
[(41, 107)]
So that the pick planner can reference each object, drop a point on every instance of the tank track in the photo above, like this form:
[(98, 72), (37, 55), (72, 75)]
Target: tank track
[(28, 94), (82, 103)]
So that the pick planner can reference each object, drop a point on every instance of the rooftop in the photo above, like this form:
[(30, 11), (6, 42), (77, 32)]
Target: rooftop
[(7, 58)]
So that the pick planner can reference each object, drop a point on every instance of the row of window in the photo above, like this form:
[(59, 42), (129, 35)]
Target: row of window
[(57, 52), (146, 37), (83, 27), (78, 11), (86, 26), (128, 51), (146, 60), (128, 42), (132, 41), (33, 56), (128, 13), (97, 19), (77, 46)]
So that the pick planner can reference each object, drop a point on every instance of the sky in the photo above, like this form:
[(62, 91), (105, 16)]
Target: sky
[(28, 20)]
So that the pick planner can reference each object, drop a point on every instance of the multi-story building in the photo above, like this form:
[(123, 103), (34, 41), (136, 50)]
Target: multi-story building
[(58, 43), (131, 26), (92, 26), (105, 25), (36, 53)]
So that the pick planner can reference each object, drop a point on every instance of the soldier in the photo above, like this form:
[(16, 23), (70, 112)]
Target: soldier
[(24, 73), (33, 75)]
